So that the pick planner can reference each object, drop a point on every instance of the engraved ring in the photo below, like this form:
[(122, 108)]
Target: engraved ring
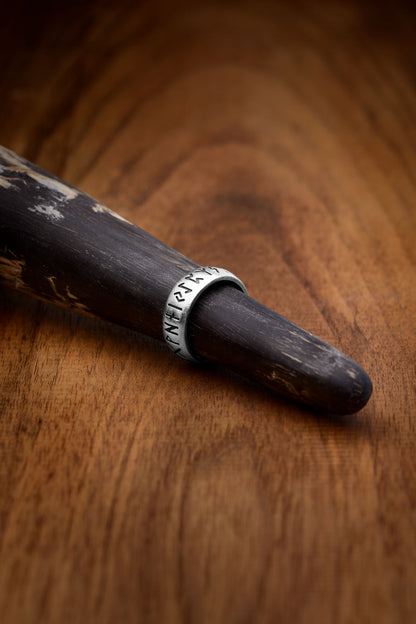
[(181, 300)]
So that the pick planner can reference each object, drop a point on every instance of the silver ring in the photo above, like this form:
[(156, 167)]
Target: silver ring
[(181, 300)]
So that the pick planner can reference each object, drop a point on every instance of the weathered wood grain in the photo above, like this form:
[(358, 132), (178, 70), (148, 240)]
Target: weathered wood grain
[(62, 246), (134, 488)]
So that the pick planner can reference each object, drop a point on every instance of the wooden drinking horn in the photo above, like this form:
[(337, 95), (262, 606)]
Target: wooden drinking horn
[(60, 245)]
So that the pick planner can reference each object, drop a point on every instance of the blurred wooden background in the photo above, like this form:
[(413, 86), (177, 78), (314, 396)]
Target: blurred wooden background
[(277, 139)]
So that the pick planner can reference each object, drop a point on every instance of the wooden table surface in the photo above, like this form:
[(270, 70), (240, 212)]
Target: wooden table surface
[(276, 139)]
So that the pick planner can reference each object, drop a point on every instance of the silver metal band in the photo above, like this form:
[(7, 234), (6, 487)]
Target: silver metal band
[(181, 300)]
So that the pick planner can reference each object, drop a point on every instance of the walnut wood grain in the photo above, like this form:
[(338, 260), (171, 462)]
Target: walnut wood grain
[(275, 139)]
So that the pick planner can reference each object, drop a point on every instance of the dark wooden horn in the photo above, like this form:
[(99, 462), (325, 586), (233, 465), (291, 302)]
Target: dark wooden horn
[(62, 246)]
